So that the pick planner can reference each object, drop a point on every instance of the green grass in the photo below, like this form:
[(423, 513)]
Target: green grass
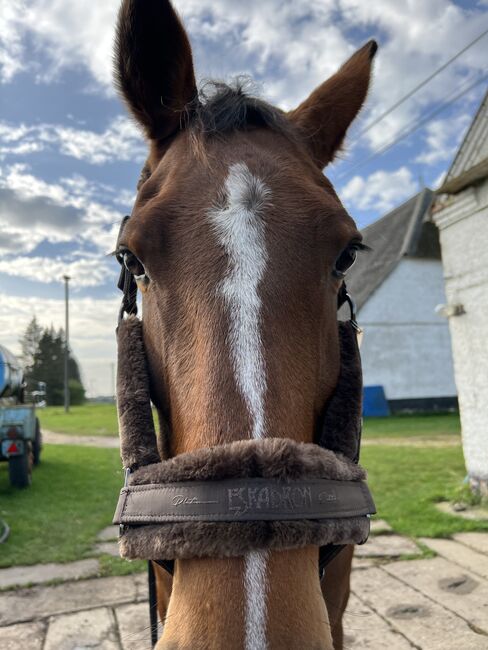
[(89, 419), (116, 566), (101, 420), (407, 482), (418, 426), (72, 497)]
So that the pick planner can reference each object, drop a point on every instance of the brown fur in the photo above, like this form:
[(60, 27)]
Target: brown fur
[(186, 329), (279, 458), (136, 427)]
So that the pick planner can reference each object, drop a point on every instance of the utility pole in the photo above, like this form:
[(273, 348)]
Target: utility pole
[(66, 279)]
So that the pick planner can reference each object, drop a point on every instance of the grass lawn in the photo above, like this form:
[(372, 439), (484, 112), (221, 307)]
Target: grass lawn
[(72, 497), (89, 419), (418, 426), (101, 420), (407, 482)]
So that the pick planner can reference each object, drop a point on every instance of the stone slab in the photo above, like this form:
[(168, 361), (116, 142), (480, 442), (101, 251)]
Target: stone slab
[(108, 534), (94, 629), (423, 622), (134, 626), (387, 546), (40, 602), (476, 541), (362, 562), (142, 588), (26, 636), (39, 573), (460, 554), (462, 592), (379, 526), (365, 630), (108, 548)]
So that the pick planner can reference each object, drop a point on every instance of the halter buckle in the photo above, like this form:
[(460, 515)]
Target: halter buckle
[(126, 483)]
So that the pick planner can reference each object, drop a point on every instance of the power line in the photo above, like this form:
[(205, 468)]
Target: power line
[(405, 133), (420, 85)]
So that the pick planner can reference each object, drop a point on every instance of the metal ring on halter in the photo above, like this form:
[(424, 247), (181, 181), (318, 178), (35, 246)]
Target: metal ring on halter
[(352, 309), (126, 483)]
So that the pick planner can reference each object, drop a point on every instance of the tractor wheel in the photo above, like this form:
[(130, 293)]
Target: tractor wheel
[(20, 469), (37, 444)]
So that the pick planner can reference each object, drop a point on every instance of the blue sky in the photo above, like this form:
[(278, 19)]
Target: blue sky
[(70, 157)]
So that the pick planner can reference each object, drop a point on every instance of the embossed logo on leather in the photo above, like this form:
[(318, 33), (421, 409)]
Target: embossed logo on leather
[(286, 499), (181, 500), (327, 496)]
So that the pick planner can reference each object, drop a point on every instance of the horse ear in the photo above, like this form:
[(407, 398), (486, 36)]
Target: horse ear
[(154, 65), (325, 116)]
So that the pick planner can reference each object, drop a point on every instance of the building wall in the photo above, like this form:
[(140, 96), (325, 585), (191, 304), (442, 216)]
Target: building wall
[(463, 227), (406, 346)]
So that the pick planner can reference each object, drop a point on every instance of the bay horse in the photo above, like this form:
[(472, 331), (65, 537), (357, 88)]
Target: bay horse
[(243, 244)]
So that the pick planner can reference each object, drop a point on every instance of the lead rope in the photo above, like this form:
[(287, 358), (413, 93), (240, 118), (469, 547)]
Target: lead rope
[(153, 603)]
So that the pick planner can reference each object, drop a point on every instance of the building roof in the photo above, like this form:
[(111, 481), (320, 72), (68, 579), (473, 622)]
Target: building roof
[(471, 160), (406, 231)]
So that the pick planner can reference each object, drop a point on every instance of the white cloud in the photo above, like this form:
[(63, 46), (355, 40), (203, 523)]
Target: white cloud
[(33, 211), (120, 141), (92, 331), (410, 50), (291, 47), (86, 272), (11, 49), (443, 138), (381, 191), (69, 32)]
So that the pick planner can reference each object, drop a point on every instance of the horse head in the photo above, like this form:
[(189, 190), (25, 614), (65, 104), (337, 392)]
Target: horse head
[(240, 245)]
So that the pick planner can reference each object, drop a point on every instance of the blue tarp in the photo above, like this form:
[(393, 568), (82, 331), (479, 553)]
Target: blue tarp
[(375, 403)]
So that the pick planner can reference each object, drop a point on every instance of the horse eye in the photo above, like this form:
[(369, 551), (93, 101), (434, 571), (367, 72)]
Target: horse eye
[(132, 264), (345, 260)]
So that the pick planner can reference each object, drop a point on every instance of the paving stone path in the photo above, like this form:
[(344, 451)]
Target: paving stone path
[(55, 438), (396, 603)]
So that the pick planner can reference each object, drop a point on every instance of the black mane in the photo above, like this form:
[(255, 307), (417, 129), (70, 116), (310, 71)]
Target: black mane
[(223, 108)]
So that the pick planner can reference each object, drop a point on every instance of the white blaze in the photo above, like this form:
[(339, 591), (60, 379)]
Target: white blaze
[(240, 231)]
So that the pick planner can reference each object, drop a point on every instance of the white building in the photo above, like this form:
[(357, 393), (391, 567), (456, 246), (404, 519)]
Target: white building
[(461, 214), (396, 287)]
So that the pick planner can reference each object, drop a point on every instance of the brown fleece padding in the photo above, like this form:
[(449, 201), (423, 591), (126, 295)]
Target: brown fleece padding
[(214, 539), (341, 422), (268, 458), (280, 458), (136, 427)]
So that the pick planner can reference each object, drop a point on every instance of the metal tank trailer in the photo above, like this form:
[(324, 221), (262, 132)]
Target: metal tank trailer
[(20, 433)]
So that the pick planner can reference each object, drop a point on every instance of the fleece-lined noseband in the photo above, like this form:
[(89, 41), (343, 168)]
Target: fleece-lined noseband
[(229, 499)]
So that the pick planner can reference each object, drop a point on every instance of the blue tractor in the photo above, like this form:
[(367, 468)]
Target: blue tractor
[(20, 432)]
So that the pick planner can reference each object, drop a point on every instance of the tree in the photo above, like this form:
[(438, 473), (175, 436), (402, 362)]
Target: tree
[(46, 347), (29, 344)]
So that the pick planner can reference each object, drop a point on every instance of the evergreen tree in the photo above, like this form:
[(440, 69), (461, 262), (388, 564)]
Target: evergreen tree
[(46, 363), (29, 344)]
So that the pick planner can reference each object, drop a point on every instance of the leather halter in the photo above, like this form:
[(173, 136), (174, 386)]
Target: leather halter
[(342, 411)]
